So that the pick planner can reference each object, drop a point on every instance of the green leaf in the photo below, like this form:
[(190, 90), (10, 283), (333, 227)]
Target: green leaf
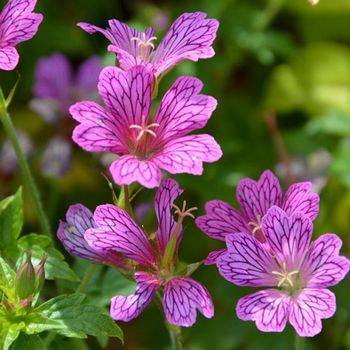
[(9, 333), (11, 222), (12, 92), (76, 319), (7, 279), (28, 342), (55, 266)]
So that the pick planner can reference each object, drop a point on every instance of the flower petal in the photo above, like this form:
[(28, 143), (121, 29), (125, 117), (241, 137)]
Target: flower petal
[(308, 308), (182, 296), (190, 37), (71, 234), (256, 197), (247, 262), (213, 256), (288, 236), (128, 169), (299, 197), (167, 192), (268, 308), (17, 22), (127, 94), (323, 267), (98, 131), (116, 231), (220, 220), (8, 58), (183, 109), (187, 154), (88, 74), (126, 308)]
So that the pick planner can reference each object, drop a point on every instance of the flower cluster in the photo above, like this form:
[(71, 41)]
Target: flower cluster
[(269, 245)]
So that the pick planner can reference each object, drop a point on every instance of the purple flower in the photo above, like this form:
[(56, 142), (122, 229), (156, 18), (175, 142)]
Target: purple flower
[(255, 198), (71, 233), (56, 87), (57, 158), (17, 23), (146, 145), (296, 272), (155, 265), (190, 37)]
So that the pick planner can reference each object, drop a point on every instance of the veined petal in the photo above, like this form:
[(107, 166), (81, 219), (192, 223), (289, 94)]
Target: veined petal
[(220, 220), (187, 154), (167, 192), (128, 169), (256, 197), (213, 256), (127, 94), (182, 297), (299, 197), (183, 109), (247, 262), (308, 308), (288, 236), (8, 58), (269, 309), (126, 308), (190, 37), (116, 231), (323, 266)]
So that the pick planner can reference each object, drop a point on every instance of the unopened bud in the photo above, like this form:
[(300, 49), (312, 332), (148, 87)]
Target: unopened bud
[(25, 279), (40, 273)]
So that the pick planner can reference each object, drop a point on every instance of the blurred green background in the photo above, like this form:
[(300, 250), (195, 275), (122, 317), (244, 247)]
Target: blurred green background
[(281, 75)]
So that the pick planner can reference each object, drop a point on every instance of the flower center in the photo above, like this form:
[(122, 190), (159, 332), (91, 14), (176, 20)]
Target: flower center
[(288, 280), (257, 229), (144, 44)]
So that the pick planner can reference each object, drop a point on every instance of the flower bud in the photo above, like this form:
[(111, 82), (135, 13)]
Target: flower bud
[(40, 273), (25, 279)]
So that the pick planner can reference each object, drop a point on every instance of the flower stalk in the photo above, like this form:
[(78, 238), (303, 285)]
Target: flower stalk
[(24, 166)]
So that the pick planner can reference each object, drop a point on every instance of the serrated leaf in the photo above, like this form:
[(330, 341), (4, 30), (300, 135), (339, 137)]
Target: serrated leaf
[(11, 222)]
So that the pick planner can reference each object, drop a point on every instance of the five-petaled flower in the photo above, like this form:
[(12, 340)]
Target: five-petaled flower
[(156, 264), (56, 87), (17, 23), (255, 198), (190, 37), (146, 145), (296, 271)]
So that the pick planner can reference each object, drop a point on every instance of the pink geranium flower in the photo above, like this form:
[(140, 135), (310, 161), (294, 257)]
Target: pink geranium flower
[(146, 145), (190, 37), (156, 266), (296, 272), (255, 198), (17, 23)]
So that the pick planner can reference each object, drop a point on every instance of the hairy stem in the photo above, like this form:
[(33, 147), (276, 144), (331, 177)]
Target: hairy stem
[(299, 342), (89, 272), (23, 164)]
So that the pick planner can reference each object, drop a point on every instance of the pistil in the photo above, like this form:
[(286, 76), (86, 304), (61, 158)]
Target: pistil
[(144, 44)]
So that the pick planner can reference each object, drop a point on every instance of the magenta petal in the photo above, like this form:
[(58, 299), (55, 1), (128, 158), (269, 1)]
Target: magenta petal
[(308, 308), (323, 267), (256, 197), (183, 109), (182, 297), (126, 308), (98, 131), (213, 256), (299, 197), (88, 74), (268, 308), (8, 58), (128, 169), (167, 192), (220, 220), (189, 37), (187, 154), (116, 231), (247, 262), (288, 236), (71, 234), (127, 94)]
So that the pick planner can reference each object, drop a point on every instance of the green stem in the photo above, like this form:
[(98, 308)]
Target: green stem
[(299, 342), (23, 164), (89, 272), (175, 337)]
